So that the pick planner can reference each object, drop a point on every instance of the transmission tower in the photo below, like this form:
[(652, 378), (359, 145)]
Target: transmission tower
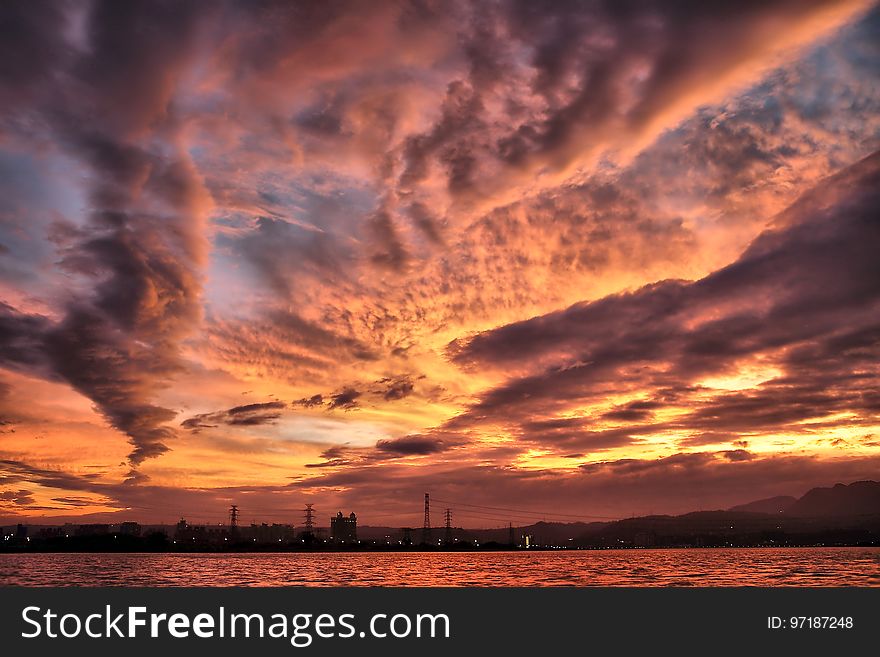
[(233, 519), (448, 537), (309, 521), (510, 538), (426, 530)]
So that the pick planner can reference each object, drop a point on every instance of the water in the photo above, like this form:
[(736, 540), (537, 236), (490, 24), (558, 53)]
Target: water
[(705, 567)]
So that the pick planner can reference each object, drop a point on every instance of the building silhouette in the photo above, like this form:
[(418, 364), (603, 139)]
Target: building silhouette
[(130, 528), (266, 534), (199, 535), (343, 529), (98, 529)]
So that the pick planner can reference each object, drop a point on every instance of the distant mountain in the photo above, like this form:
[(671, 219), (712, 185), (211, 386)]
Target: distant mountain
[(858, 498), (778, 504)]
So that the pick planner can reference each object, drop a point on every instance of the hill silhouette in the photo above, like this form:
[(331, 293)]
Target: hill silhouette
[(841, 500), (778, 504), (858, 498)]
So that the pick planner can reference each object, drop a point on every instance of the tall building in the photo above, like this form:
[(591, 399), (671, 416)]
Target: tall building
[(343, 529)]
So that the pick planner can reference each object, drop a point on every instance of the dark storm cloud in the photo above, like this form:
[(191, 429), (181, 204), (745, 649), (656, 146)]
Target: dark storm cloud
[(117, 373), (21, 343), (246, 415), (810, 287), (142, 244)]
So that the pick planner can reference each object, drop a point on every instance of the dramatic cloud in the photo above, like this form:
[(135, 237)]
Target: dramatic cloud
[(19, 497), (579, 254), (21, 338), (246, 415), (346, 399), (409, 445), (804, 298), (396, 388), (309, 402), (142, 241)]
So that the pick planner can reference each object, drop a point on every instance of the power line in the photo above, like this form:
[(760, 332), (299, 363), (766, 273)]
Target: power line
[(526, 512), (502, 520)]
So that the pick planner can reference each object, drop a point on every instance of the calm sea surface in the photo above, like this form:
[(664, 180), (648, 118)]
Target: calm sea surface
[(709, 567)]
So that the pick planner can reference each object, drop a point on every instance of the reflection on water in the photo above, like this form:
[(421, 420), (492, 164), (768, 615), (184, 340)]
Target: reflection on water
[(721, 567)]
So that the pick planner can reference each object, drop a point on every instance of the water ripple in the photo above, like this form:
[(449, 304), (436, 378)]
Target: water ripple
[(705, 567)]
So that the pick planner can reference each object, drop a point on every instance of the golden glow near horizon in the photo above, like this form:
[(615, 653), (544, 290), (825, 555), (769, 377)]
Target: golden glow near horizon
[(385, 252)]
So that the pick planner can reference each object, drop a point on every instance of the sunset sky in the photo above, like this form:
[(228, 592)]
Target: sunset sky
[(585, 258)]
